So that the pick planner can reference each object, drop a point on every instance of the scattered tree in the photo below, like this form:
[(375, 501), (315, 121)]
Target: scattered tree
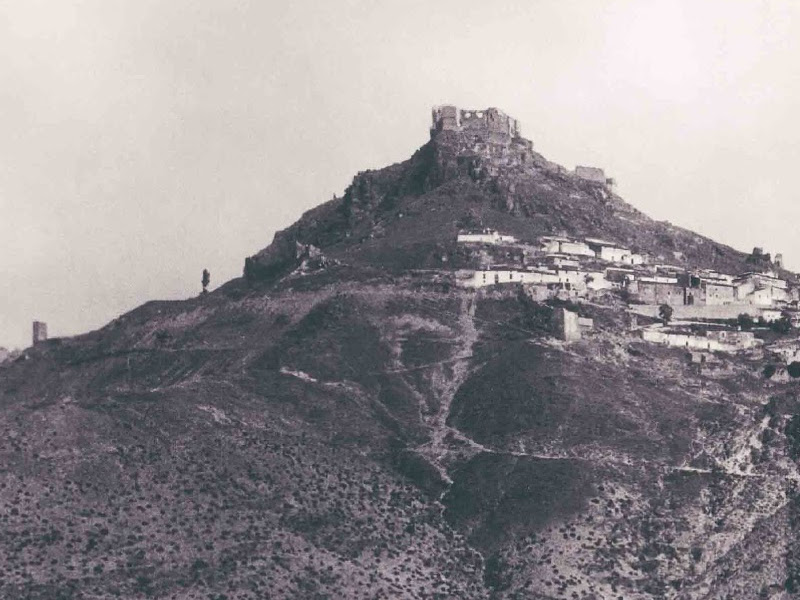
[(782, 325), (744, 321), (249, 271), (794, 369), (206, 280), (471, 220), (792, 432), (665, 313)]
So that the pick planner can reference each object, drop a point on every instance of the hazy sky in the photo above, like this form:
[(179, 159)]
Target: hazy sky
[(142, 141)]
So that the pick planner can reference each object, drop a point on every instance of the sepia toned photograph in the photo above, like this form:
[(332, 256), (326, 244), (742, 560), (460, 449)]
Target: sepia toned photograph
[(399, 300)]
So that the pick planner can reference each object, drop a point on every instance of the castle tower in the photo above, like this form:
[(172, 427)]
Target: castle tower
[(39, 332), (446, 118), (779, 261)]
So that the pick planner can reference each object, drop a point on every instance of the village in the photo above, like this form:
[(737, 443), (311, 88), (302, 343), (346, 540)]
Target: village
[(700, 310)]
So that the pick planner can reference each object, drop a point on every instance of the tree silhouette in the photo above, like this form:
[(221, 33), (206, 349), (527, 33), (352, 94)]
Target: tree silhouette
[(745, 321), (665, 313), (206, 280)]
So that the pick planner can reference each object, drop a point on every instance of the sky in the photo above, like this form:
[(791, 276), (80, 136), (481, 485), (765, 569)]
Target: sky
[(142, 141)]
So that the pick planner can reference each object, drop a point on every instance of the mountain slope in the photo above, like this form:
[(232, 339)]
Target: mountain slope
[(407, 215), (361, 429)]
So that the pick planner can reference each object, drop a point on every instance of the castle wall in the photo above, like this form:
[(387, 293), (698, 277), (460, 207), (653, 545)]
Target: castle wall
[(490, 125), (591, 174)]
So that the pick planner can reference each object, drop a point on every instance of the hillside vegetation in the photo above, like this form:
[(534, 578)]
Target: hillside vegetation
[(362, 429)]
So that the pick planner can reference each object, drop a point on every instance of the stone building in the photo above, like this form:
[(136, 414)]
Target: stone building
[(761, 289), (708, 288), (658, 290), (490, 125), (39, 332), (566, 278), (567, 325), (614, 253), (593, 174), (563, 245)]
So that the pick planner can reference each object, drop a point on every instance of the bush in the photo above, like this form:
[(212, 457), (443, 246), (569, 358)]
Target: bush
[(792, 433), (744, 321), (782, 325), (665, 313), (794, 369), (769, 371)]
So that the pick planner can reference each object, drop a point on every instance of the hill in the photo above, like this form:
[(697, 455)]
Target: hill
[(343, 423), (407, 215)]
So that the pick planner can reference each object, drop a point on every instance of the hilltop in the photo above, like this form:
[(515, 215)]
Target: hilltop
[(408, 214), (345, 422)]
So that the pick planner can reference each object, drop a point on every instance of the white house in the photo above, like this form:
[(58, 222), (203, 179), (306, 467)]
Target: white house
[(485, 236), (614, 253), (562, 245), (561, 260), (500, 275), (596, 280), (724, 341), (761, 289)]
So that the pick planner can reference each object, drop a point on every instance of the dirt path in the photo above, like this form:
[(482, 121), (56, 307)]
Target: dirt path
[(447, 377)]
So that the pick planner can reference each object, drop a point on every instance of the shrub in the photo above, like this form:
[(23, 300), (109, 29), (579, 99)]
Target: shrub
[(794, 369), (782, 325), (665, 313), (792, 433), (769, 371)]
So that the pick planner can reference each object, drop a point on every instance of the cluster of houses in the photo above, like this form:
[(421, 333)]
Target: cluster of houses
[(568, 268), (581, 266)]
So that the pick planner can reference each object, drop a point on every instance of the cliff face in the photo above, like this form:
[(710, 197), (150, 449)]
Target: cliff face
[(363, 430)]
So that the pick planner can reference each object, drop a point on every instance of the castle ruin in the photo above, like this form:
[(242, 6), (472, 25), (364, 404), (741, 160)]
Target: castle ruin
[(493, 134), (489, 125)]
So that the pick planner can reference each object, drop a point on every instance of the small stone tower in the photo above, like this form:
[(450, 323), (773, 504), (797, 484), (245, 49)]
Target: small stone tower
[(567, 325), (779, 261), (39, 332)]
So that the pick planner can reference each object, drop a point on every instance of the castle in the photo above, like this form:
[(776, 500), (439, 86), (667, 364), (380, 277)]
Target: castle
[(493, 134), (490, 125)]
